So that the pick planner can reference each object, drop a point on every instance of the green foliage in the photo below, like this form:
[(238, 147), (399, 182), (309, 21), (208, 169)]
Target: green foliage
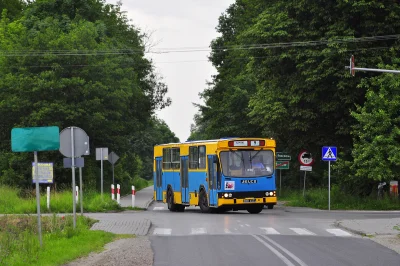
[(318, 198), (79, 63), (376, 148), (298, 92), (60, 202), (61, 243)]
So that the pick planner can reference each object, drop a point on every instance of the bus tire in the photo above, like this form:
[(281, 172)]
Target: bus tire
[(203, 201), (255, 209), (170, 201), (180, 208), (270, 206)]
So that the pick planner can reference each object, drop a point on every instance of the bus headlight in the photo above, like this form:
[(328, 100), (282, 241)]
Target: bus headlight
[(266, 193), (271, 193), (226, 195), (230, 195)]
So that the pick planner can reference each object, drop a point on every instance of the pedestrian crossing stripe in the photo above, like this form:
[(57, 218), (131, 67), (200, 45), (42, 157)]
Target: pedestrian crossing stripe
[(329, 154), (265, 230)]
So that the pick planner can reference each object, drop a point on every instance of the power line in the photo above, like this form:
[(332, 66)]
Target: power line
[(228, 60), (15, 53)]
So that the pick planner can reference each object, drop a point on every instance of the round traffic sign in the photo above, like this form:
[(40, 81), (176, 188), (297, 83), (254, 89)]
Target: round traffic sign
[(81, 142), (305, 158)]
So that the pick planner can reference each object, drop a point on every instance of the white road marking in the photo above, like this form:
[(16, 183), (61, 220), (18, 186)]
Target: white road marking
[(162, 231), (227, 231), (270, 230), (338, 232), (158, 208), (200, 230), (277, 253), (294, 257), (247, 225), (302, 231)]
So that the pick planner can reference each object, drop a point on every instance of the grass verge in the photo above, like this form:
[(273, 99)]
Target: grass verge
[(14, 201), (19, 244), (318, 198)]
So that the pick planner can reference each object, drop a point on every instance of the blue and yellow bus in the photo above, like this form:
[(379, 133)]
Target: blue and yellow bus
[(217, 175)]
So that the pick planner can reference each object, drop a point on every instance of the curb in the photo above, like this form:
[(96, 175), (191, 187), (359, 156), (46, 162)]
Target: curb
[(146, 206), (357, 232)]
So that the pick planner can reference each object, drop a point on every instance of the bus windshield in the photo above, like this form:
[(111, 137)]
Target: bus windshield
[(247, 163)]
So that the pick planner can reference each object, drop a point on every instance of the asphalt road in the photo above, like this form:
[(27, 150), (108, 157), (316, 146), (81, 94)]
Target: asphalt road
[(282, 236)]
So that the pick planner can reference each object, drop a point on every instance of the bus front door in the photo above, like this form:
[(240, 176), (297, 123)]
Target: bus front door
[(184, 179), (212, 180), (159, 179)]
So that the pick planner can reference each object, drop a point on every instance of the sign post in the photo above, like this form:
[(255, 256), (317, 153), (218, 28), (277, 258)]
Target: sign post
[(306, 160), (113, 158), (34, 139), (282, 163), (101, 154), (329, 154), (73, 143)]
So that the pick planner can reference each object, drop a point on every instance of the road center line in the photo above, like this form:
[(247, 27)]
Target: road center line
[(297, 259), (276, 252)]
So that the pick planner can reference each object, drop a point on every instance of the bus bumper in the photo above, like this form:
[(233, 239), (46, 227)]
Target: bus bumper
[(247, 201)]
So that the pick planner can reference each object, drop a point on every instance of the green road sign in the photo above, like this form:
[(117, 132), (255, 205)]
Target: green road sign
[(283, 156), (31, 139), (282, 165)]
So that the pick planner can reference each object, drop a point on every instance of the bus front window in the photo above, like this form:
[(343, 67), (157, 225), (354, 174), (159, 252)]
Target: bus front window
[(247, 163)]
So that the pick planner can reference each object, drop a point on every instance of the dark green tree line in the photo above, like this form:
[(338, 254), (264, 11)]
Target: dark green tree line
[(78, 63), (296, 89)]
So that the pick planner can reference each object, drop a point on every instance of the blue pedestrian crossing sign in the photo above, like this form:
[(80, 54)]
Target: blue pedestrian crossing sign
[(329, 153)]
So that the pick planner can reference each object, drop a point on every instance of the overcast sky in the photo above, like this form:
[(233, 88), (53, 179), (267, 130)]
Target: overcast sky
[(176, 24)]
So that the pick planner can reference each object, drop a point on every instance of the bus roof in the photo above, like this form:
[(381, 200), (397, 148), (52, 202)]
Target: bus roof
[(208, 141)]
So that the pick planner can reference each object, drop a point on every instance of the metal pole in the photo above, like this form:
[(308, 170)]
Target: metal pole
[(329, 185), (113, 172), (38, 197), (101, 160), (80, 185), (280, 182), (375, 70), (73, 175), (304, 187)]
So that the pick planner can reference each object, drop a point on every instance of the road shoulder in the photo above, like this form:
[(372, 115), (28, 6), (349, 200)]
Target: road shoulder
[(123, 252), (383, 231)]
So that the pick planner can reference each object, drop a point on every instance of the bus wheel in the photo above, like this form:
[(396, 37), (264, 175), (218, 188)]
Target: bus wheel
[(180, 208), (203, 202), (255, 209), (270, 206), (170, 200)]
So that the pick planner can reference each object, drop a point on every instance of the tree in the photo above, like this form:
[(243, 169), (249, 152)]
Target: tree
[(79, 63), (376, 149), (272, 81)]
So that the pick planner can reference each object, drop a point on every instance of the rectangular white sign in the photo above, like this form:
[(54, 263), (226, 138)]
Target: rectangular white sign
[(240, 143), (255, 143), (305, 168)]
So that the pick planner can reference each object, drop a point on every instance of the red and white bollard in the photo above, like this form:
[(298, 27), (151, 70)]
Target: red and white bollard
[(76, 194), (112, 192), (133, 196), (118, 193)]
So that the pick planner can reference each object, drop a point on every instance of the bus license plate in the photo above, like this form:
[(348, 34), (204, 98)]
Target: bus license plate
[(249, 200)]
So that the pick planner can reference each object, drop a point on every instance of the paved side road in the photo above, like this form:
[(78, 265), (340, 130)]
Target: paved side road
[(128, 222), (383, 231), (143, 198)]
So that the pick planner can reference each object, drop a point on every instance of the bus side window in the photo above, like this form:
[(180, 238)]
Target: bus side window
[(175, 156), (193, 157), (202, 157)]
